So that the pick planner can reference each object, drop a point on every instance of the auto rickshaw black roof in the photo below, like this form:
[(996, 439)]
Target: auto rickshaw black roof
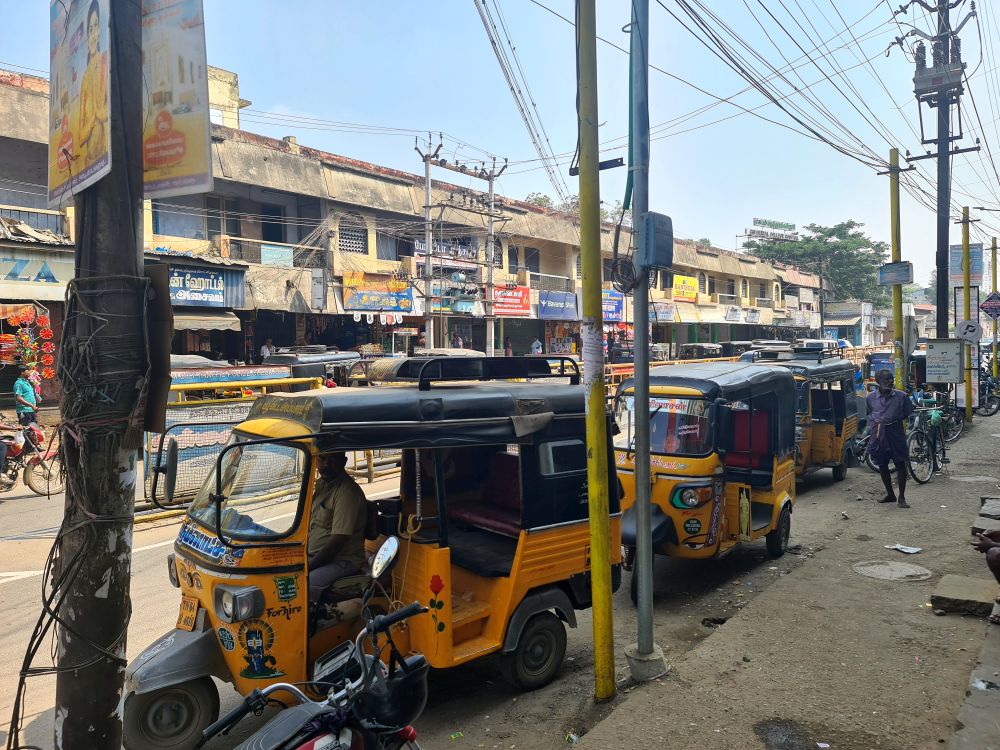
[(734, 381), (817, 365), (407, 416)]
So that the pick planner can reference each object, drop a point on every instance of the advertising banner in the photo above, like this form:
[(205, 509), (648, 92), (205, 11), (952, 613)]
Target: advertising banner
[(895, 273), (556, 305), (79, 97), (191, 287), (685, 288), (661, 312), (380, 295), (276, 255), (955, 273), (177, 132), (513, 302), (612, 305)]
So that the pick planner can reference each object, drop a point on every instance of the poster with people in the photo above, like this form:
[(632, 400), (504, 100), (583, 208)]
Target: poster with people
[(79, 96), (177, 136)]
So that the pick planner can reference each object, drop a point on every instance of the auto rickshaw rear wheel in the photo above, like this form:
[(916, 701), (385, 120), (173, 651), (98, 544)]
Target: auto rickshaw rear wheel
[(777, 539), (171, 718), (539, 653), (840, 470)]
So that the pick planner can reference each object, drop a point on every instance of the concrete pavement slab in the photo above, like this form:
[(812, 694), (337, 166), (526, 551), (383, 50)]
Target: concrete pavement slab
[(965, 595)]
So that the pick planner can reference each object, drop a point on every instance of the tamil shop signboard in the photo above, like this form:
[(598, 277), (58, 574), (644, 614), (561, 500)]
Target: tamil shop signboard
[(612, 305), (197, 288), (512, 302), (556, 305), (363, 293)]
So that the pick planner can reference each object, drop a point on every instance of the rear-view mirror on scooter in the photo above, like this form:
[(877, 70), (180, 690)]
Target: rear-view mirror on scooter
[(385, 557)]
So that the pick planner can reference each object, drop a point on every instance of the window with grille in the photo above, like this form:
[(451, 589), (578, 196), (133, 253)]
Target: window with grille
[(513, 265), (744, 288), (533, 259), (731, 287), (386, 246), (579, 266), (606, 268), (711, 285), (222, 216), (762, 290), (353, 234), (702, 283)]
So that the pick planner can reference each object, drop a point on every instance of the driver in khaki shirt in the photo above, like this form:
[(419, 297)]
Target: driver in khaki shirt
[(337, 523)]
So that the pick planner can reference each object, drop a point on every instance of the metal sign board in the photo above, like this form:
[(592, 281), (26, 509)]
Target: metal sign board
[(944, 361), (991, 305), (969, 331), (895, 273), (960, 390)]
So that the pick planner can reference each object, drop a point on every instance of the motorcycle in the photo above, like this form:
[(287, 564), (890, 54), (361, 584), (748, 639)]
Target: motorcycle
[(39, 466), (370, 704)]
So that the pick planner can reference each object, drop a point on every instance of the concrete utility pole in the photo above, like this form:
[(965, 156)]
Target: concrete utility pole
[(940, 86), (645, 657), (104, 368), (994, 273), (490, 262), (940, 52), (490, 176), (593, 354), (428, 242)]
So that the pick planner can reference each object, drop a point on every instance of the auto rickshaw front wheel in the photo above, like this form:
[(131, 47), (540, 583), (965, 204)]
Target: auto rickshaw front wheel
[(840, 470), (538, 655), (777, 539), (171, 718)]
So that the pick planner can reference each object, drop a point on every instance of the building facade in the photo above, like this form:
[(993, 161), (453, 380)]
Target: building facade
[(303, 246)]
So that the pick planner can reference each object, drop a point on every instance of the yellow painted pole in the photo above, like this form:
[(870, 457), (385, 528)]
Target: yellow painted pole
[(966, 304), (593, 356), (897, 289), (994, 264)]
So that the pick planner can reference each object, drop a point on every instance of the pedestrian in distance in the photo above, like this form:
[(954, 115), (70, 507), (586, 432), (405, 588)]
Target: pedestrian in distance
[(536, 347), (888, 410), (267, 349), (989, 544), (508, 347), (25, 399)]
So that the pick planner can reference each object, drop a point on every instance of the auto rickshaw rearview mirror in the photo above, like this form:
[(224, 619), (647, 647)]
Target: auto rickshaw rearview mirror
[(385, 557), (167, 466)]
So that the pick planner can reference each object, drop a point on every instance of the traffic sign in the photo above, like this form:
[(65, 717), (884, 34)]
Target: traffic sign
[(991, 306), (969, 331)]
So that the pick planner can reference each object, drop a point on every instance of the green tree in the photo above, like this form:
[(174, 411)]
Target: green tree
[(704, 242), (843, 253), (539, 199)]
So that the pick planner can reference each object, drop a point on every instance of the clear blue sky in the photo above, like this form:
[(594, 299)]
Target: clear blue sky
[(428, 65)]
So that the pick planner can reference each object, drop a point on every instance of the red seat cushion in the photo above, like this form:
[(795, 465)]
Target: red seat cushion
[(749, 453), (488, 517)]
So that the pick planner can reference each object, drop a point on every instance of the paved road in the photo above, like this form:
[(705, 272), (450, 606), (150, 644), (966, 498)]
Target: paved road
[(469, 704)]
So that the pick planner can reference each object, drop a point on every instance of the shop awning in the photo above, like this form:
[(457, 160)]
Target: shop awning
[(206, 320), (32, 290), (850, 320), (686, 313)]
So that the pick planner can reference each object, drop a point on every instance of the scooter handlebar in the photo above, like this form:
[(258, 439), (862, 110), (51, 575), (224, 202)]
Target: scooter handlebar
[(382, 623), (248, 704)]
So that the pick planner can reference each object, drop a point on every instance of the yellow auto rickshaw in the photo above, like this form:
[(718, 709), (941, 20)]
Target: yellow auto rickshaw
[(826, 408), (491, 514), (722, 440)]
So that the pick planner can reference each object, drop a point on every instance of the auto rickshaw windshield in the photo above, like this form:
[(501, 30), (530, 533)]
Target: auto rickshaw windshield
[(677, 426), (261, 484)]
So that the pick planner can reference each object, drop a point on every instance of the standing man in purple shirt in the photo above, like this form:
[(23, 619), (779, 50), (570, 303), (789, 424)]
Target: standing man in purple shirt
[(887, 410)]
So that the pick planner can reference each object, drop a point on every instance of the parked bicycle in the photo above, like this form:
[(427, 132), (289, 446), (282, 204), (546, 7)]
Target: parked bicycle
[(925, 444), (989, 395)]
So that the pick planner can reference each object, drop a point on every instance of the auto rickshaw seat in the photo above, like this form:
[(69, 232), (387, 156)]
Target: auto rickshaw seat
[(500, 511), (751, 441)]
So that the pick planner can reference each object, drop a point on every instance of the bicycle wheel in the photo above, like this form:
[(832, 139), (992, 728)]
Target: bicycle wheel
[(988, 405), (919, 457), (940, 453), (953, 423)]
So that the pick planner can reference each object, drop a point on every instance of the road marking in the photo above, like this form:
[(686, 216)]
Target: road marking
[(18, 575)]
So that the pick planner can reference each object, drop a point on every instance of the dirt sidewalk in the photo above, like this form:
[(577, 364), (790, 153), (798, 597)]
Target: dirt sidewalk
[(823, 654)]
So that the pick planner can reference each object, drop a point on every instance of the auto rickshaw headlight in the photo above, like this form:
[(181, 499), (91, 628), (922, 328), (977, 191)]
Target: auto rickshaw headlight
[(238, 603), (172, 571), (692, 497), (689, 497)]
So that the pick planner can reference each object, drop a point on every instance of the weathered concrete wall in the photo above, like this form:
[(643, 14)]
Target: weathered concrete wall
[(24, 109)]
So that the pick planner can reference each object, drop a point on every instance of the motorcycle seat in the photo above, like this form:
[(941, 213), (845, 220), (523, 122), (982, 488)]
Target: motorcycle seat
[(283, 727)]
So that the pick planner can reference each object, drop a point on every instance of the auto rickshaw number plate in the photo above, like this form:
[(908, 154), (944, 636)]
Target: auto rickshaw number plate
[(188, 613)]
